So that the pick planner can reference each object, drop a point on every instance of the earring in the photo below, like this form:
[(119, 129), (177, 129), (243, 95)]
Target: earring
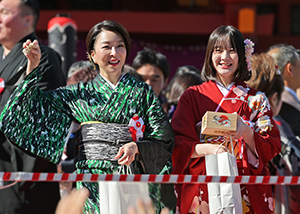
[(91, 60)]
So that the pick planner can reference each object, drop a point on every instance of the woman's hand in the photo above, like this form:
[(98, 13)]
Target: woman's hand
[(72, 203), (241, 127), (242, 130), (128, 150), (202, 149), (33, 53)]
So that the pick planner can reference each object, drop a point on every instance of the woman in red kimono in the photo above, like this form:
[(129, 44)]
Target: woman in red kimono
[(256, 140)]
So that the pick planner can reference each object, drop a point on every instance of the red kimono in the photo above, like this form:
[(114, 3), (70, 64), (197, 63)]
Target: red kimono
[(254, 108)]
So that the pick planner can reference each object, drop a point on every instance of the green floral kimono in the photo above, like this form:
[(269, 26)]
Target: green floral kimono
[(40, 122)]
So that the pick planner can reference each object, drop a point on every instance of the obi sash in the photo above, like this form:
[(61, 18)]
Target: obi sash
[(101, 141)]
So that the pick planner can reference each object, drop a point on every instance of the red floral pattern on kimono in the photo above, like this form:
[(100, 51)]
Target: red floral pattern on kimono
[(254, 108)]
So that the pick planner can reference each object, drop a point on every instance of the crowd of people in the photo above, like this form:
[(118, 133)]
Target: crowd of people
[(109, 117)]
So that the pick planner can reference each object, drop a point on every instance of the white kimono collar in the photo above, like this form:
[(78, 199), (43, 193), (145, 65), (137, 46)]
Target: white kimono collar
[(224, 90), (110, 83)]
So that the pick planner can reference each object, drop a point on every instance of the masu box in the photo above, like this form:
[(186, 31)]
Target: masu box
[(216, 123)]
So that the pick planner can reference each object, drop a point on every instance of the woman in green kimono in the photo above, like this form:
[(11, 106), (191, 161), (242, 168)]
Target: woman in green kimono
[(106, 108)]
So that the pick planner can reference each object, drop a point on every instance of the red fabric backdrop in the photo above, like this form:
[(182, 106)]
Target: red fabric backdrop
[(176, 55)]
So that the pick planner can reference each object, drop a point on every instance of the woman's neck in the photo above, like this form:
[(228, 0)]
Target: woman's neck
[(224, 82), (114, 78)]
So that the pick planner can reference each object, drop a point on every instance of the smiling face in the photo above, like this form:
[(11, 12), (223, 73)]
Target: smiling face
[(110, 54), (225, 61), (13, 23)]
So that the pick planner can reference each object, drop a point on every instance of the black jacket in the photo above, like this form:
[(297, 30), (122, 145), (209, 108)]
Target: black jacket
[(27, 197)]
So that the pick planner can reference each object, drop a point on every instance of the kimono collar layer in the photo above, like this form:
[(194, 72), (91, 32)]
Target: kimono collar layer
[(224, 90), (229, 98), (110, 83)]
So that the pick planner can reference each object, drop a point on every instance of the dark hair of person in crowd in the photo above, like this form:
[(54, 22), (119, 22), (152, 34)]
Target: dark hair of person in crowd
[(34, 10), (81, 71), (132, 72), (149, 56), (220, 36), (179, 71), (186, 69), (181, 83), (178, 87), (78, 66), (265, 75), (106, 25)]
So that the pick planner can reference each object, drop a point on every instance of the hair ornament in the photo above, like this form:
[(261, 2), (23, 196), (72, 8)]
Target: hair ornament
[(91, 60), (248, 52), (277, 70)]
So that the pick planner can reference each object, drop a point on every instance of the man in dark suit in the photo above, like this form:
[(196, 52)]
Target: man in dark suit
[(287, 163), (18, 19), (287, 59)]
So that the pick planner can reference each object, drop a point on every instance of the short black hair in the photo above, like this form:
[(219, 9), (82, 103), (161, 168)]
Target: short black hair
[(82, 64), (130, 70), (149, 56), (34, 6), (106, 25)]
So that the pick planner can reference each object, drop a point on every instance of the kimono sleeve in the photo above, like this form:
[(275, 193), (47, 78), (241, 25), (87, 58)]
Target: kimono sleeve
[(184, 126), (266, 133), (36, 122), (158, 142)]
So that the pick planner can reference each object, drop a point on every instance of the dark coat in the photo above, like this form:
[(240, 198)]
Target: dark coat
[(287, 163), (290, 111), (27, 197)]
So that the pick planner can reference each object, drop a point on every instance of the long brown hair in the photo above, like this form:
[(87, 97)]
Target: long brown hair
[(265, 76)]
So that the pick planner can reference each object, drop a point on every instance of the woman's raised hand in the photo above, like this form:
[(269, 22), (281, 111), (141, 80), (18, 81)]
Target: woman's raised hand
[(33, 53)]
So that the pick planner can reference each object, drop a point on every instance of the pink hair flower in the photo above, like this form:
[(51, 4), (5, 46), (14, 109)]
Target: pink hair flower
[(248, 52)]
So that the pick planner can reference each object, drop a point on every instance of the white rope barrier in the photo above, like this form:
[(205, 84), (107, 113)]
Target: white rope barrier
[(57, 177)]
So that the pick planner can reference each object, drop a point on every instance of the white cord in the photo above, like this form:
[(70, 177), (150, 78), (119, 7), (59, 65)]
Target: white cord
[(219, 147), (222, 145), (9, 185)]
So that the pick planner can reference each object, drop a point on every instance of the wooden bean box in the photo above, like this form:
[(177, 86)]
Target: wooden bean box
[(216, 123)]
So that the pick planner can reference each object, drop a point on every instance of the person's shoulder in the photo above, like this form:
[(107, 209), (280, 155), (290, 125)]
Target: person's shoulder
[(194, 91), (251, 91), (199, 88), (51, 64), (49, 52), (129, 79), (51, 59), (256, 93)]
